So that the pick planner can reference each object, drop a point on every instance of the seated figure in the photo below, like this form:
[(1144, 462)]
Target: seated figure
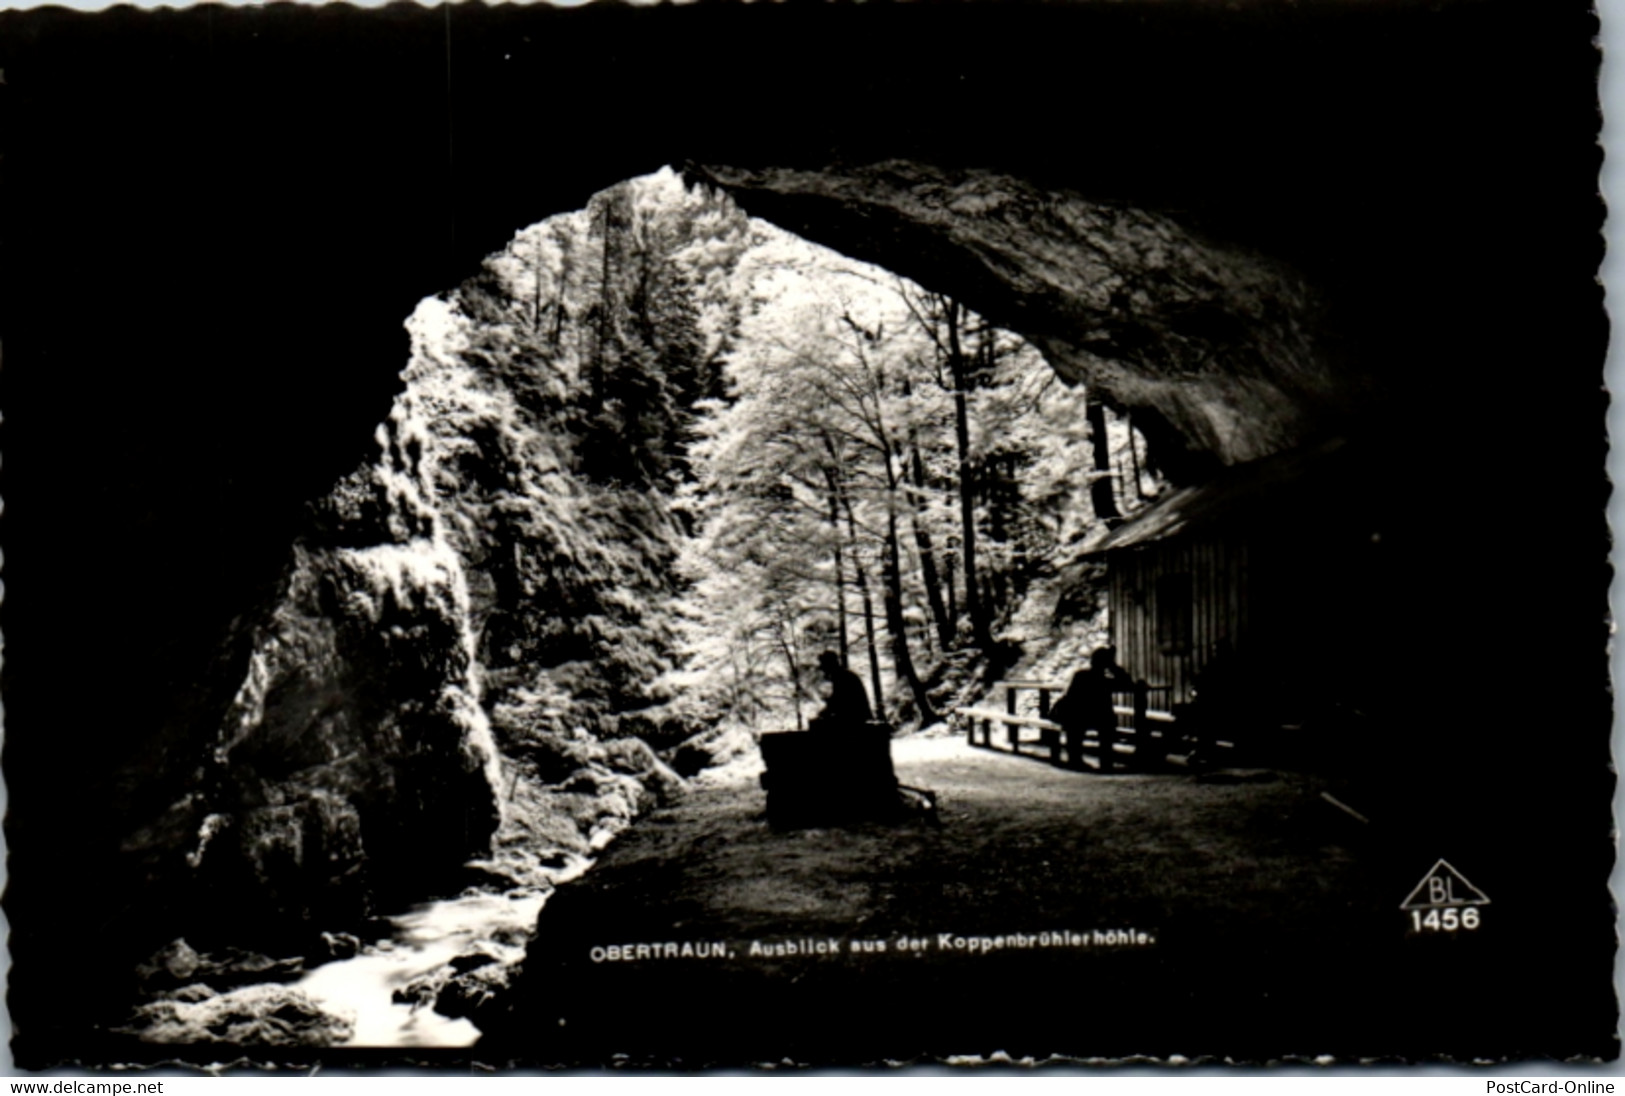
[(848, 705), (840, 769)]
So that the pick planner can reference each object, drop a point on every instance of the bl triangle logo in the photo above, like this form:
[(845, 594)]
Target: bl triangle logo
[(1443, 885)]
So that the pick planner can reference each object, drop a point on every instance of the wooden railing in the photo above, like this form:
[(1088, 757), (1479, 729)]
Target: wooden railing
[(1144, 737)]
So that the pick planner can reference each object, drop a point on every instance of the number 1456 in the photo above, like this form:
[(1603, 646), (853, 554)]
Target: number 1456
[(1448, 919)]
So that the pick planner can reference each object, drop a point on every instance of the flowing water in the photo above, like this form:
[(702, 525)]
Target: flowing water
[(426, 938)]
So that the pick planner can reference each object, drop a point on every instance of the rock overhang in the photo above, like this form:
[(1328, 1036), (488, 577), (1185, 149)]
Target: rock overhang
[(1215, 348)]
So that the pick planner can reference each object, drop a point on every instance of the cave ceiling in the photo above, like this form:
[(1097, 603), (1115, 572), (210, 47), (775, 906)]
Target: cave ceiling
[(1212, 346), (1245, 223)]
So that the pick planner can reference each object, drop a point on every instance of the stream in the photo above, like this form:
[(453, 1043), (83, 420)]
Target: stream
[(426, 938)]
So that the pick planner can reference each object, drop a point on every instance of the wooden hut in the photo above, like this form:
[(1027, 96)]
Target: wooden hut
[(1275, 564)]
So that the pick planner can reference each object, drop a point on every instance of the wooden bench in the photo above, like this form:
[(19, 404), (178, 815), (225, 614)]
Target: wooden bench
[(830, 777), (1144, 737), (1048, 733)]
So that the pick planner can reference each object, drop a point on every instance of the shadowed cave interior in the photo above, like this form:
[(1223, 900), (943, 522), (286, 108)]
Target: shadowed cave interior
[(1192, 216)]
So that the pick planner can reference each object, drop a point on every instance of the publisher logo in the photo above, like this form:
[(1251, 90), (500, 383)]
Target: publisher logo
[(1444, 901)]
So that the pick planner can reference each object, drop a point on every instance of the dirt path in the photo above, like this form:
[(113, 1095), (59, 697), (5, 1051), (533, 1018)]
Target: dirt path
[(1022, 843), (1051, 911)]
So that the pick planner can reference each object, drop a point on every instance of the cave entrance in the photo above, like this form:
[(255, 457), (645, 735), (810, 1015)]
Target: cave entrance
[(370, 766), (655, 457), (682, 452), (647, 464)]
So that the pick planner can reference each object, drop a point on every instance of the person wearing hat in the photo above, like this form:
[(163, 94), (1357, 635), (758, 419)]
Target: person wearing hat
[(848, 703)]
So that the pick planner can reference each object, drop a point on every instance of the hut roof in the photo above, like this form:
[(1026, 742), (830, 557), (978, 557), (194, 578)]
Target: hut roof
[(1241, 490)]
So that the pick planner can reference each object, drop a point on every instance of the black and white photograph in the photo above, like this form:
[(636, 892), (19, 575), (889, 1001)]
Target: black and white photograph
[(806, 535)]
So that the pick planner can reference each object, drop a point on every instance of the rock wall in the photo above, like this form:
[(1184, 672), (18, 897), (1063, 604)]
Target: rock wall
[(364, 764), (424, 702), (355, 765)]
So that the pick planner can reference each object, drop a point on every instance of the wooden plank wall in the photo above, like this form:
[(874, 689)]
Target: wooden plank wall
[(1219, 582)]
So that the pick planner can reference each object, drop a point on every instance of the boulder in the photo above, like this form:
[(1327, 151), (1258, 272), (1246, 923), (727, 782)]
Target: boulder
[(709, 749), (471, 992), (259, 1015), (175, 963)]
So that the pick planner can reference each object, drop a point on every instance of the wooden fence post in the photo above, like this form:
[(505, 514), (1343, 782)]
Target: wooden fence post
[(1142, 727)]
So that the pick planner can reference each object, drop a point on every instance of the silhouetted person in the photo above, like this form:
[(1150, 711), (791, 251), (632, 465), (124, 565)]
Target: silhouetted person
[(848, 704), (844, 772), (1087, 706)]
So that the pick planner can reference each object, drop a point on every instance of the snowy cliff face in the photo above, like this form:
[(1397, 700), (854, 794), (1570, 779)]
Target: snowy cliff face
[(355, 762), (464, 622), (555, 578)]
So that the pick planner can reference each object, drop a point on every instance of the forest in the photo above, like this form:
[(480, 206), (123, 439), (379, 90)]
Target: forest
[(680, 453)]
